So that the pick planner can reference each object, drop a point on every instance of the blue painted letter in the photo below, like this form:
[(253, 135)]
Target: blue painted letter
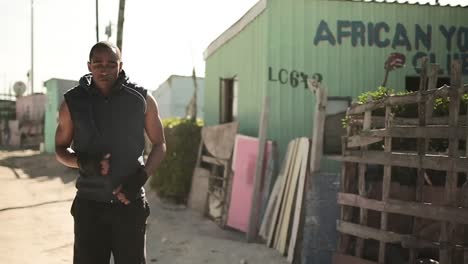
[(324, 34)]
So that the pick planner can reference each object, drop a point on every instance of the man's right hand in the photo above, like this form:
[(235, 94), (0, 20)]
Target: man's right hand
[(105, 166), (90, 165)]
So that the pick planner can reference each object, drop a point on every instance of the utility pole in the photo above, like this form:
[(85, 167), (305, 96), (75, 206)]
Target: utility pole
[(108, 31), (31, 72), (97, 20), (120, 23)]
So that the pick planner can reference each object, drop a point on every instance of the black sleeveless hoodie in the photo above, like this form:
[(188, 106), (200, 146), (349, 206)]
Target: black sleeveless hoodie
[(113, 124)]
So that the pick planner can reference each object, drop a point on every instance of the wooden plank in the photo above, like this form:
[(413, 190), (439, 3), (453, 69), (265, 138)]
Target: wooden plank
[(348, 174), (198, 196), (423, 210), (362, 167), (270, 176), (318, 128), (267, 218), (355, 200), (421, 151), (362, 211), (290, 197), (411, 160), (379, 121), (416, 242), (365, 232), (411, 132), (285, 196), (464, 202), (274, 211), (412, 98), (227, 189), (386, 181), (273, 227), (432, 83), (299, 199), (213, 160), (200, 149), (252, 230), (346, 259), (362, 140), (447, 228)]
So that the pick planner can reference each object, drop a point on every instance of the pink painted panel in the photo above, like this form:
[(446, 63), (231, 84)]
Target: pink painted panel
[(243, 166)]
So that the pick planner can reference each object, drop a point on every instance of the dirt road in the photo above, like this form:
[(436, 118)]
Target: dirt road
[(36, 226)]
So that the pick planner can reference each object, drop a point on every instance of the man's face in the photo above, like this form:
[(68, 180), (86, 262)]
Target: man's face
[(105, 67)]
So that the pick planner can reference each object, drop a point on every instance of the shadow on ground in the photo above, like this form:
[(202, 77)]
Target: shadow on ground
[(33, 164)]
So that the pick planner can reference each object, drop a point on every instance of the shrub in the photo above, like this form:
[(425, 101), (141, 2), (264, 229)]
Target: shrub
[(441, 105), (173, 178), (441, 108)]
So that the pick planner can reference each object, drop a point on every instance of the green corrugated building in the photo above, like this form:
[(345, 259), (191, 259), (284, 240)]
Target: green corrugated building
[(277, 44)]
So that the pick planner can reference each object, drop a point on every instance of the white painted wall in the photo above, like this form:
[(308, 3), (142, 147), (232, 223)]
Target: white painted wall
[(174, 94)]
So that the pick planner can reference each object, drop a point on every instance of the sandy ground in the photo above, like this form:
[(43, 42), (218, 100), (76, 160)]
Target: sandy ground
[(36, 226)]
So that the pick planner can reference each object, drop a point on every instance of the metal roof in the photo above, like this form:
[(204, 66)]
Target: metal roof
[(451, 3)]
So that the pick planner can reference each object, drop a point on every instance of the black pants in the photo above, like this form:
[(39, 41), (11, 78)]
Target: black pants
[(102, 228)]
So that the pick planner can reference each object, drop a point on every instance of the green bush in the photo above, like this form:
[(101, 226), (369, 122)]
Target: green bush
[(173, 178), (441, 108), (381, 93), (441, 105)]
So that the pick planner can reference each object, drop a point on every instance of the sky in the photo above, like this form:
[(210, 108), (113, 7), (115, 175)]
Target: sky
[(161, 37)]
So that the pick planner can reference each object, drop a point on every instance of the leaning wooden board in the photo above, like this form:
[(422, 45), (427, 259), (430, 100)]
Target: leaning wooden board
[(291, 197), (284, 196), (299, 198), (275, 216)]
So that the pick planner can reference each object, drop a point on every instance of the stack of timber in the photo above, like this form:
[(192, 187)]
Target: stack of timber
[(282, 219), (404, 181)]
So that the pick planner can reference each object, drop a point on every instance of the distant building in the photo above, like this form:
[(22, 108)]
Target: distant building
[(7, 115), (30, 110), (31, 107), (55, 90), (174, 94)]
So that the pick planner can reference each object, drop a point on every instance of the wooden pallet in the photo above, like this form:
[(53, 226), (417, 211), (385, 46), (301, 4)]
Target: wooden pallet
[(362, 233)]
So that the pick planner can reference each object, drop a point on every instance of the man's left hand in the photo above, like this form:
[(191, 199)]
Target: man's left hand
[(120, 195)]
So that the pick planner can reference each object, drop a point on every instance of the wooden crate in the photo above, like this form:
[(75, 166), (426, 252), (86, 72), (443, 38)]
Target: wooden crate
[(383, 219)]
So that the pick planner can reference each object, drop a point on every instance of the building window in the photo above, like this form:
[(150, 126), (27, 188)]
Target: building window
[(336, 112), (228, 100), (412, 83)]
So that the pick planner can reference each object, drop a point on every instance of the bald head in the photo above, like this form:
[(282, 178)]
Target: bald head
[(107, 46), (105, 65)]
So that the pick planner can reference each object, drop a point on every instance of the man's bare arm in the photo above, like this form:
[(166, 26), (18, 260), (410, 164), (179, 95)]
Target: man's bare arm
[(154, 130), (63, 138)]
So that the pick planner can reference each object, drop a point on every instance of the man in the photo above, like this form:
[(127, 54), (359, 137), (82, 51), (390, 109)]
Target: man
[(101, 132)]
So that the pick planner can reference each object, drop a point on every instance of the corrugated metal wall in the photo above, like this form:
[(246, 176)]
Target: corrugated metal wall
[(280, 44), (347, 70), (243, 57)]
